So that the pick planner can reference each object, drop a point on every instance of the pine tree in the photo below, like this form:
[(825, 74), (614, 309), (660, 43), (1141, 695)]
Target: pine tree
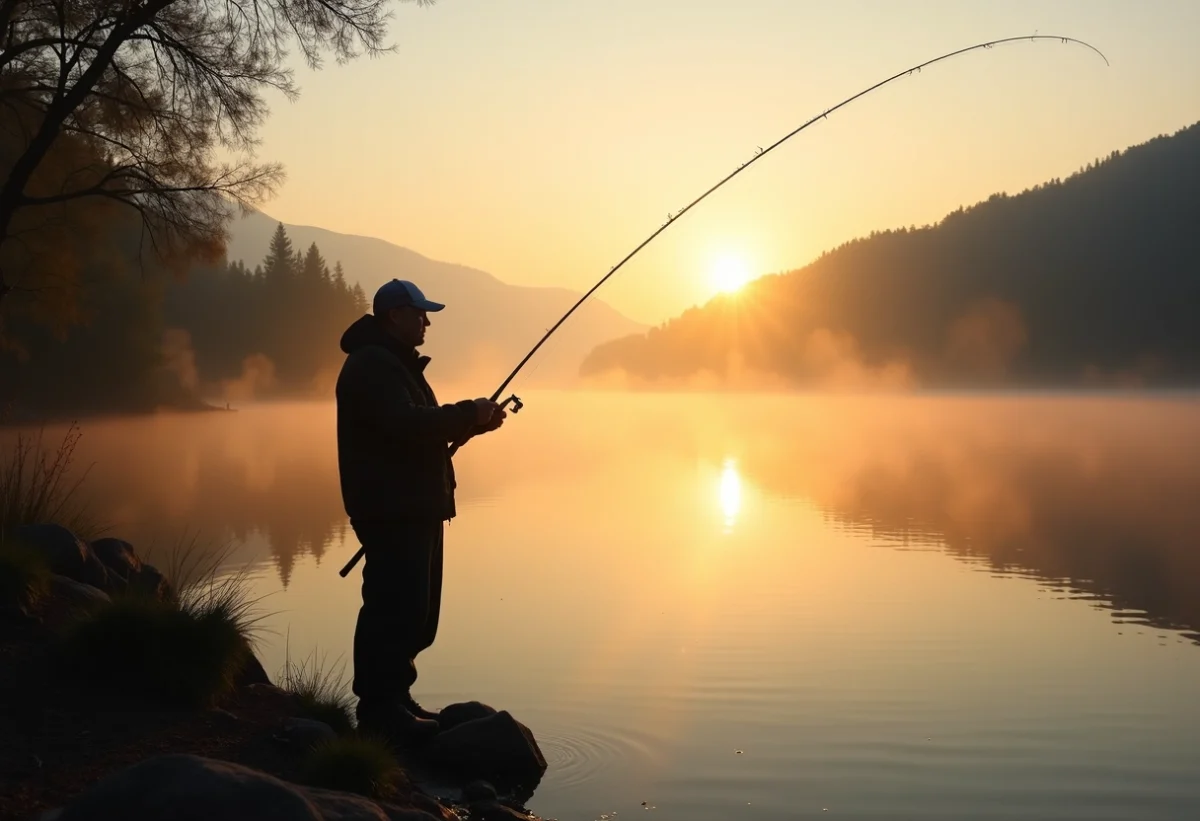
[(360, 299), (277, 266), (313, 270), (339, 278)]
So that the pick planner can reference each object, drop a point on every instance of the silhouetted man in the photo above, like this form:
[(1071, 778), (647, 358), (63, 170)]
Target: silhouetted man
[(398, 488)]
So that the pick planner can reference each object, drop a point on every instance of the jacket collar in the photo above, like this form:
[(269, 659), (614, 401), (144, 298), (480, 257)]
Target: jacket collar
[(408, 356)]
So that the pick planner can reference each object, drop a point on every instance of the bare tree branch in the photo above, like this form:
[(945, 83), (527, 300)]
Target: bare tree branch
[(142, 96)]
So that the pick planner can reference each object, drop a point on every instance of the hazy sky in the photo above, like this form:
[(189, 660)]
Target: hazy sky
[(541, 141)]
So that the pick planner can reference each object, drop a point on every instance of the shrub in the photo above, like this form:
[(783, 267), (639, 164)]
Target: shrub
[(35, 485)]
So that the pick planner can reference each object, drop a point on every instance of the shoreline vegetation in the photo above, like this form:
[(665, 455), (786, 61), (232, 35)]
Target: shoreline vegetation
[(25, 418), (125, 689)]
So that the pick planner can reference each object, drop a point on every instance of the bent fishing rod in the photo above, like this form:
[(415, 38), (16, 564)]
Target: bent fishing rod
[(758, 155)]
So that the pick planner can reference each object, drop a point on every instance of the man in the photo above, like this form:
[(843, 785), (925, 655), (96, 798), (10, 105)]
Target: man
[(398, 489)]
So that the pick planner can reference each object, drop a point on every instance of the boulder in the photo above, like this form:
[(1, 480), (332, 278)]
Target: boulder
[(66, 553), (193, 788), (497, 748), (269, 689), (304, 733), (147, 581), (454, 714), (479, 790), (77, 594), (252, 672), (430, 805), (118, 556), (495, 811)]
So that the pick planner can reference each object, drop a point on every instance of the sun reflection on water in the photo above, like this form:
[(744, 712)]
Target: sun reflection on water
[(730, 493)]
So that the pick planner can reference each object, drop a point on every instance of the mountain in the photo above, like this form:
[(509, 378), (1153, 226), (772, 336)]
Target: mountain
[(487, 325), (1089, 281)]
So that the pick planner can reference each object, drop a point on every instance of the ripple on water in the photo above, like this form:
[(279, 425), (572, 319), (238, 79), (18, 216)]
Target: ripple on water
[(576, 756)]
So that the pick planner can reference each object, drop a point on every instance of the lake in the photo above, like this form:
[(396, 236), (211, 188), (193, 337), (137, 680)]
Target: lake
[(760, 606)]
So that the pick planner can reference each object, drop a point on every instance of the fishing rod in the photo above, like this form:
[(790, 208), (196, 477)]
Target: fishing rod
[(758, 155), (762, 152)]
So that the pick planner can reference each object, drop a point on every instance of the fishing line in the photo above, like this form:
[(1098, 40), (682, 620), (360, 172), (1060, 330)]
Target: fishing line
[(762, 152)]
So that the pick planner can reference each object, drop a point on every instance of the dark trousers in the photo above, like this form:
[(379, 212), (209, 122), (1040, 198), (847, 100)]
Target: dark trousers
[(402, 598)]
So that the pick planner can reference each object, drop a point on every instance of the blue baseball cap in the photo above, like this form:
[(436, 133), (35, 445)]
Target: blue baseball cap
[(399, 293)]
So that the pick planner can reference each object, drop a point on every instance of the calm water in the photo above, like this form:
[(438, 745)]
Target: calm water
[(763, 607)]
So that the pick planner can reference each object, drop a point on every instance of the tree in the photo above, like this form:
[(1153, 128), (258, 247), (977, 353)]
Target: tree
[(313, 270), (361, 303), (149, 93), (280, 260)]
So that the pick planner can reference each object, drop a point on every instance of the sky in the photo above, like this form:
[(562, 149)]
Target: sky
[(542, 141)]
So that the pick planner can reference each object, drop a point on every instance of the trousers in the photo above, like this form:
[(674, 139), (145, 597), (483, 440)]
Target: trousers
[(401, 603)]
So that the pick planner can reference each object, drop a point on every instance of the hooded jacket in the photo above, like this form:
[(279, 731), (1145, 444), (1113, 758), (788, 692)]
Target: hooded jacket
[(393, 438)]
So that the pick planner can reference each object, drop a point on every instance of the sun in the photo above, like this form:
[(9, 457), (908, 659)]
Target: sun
[(729, 274)]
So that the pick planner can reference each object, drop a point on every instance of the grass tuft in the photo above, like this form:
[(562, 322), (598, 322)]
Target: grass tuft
[(36, 485), (356, 764), (24, 576), (187, 652), (154, 649), (321, 691)]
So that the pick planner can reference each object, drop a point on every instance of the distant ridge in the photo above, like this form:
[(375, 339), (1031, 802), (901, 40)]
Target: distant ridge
[(487, 325), (1089, 281)]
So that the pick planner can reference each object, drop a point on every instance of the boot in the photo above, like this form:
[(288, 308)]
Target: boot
[(395, 723), (410, 704)]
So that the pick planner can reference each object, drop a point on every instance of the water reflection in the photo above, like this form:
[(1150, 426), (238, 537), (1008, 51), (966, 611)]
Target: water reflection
[(1093, 495), (729, 494), (1096, 495), (261, 483)]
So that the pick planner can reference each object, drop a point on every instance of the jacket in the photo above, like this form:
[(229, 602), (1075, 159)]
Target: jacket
[(393, 438)]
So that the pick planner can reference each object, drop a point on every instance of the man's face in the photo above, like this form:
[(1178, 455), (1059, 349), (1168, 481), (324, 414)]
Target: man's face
[(408, 325)]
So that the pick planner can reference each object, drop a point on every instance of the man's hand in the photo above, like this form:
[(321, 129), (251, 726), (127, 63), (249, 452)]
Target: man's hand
[(497, 420), (485, 409)]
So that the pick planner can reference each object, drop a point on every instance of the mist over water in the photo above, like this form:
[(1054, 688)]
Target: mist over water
[(760, 606)]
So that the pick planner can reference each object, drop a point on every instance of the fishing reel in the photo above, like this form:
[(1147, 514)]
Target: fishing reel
[(516, 403)]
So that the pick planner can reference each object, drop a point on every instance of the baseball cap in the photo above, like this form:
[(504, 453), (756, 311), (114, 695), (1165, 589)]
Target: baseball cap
[(399, 293)]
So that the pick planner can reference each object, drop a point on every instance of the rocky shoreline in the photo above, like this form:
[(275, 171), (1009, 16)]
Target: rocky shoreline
[(104, 715)]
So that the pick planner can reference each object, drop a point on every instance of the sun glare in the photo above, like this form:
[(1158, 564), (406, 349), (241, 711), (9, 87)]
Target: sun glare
[(729, 274)]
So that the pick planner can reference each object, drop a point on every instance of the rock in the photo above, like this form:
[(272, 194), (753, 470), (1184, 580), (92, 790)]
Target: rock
[(304, 733), (147, 581), (494, 811), (77, 594), (269, 690), (14, 614), (118, 556), (431, 806), (455, 714), (253, 673), (479, 791), (115, 584), (66, 553), (193, 788), (395, 813), (498, 748)]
